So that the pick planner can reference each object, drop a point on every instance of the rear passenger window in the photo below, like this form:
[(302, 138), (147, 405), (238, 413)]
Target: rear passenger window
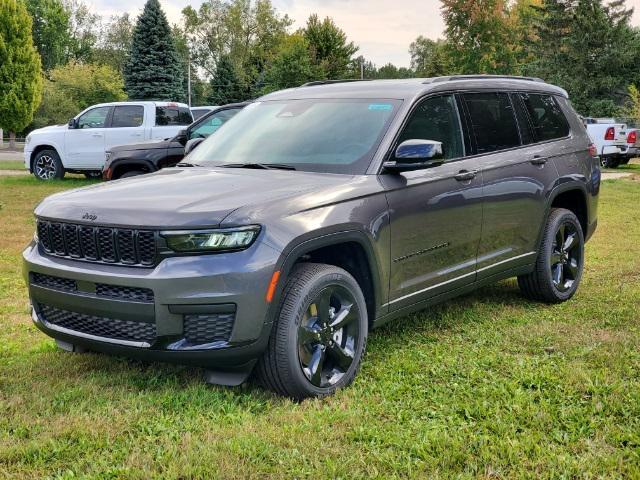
[(526, 133), (127, 116), (173, 116), (492, 121), (436, 119), (548, 120)]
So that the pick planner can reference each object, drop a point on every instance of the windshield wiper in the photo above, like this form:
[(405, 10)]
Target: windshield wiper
[(263, 166), (187, 164)]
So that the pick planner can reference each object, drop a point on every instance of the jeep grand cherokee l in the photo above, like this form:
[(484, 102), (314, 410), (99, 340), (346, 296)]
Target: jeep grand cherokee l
[(315, 215)]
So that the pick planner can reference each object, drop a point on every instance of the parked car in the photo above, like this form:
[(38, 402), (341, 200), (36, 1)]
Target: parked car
[(80, 146), (633, 146), (139, 158), (316, 214), (198, 112), (610, 140)]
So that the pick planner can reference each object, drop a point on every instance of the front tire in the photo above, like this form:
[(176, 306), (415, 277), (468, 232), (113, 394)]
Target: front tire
[(558, 268), (48, 166), (319, 336)]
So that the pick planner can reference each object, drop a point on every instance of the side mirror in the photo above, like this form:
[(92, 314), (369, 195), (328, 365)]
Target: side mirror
[(416, 154), (181, 137), (191, 145), (73, 123)]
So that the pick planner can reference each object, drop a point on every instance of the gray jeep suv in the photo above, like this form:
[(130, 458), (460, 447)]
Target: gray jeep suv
[(315, 215)]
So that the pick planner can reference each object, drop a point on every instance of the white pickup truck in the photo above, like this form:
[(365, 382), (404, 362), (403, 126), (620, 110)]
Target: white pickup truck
[(80, 146), (610, 140)]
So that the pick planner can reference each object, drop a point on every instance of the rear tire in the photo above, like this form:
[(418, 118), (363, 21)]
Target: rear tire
[(319, 336), (47, 165), (558, 268)]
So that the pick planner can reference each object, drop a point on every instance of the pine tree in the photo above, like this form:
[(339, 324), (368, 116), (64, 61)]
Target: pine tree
[(153, 71), (20, 69), (225, 85)]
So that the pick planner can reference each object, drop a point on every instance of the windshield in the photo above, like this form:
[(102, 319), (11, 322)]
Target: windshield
[(334, 136)]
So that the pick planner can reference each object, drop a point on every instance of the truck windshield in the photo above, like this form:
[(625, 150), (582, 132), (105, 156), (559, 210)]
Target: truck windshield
[(319, 135)]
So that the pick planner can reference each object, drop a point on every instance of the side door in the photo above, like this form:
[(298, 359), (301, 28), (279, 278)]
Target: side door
[(517, 171), (126, 126), (435, 213), (85, 145)]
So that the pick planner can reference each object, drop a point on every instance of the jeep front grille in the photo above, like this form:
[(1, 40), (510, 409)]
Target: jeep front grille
[(98, 244)]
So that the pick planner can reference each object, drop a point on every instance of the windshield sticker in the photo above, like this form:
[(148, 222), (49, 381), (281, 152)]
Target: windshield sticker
[(380, 106)]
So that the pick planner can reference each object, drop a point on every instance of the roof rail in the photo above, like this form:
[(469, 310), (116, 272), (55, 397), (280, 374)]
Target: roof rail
[(482, 77), (329, 82)]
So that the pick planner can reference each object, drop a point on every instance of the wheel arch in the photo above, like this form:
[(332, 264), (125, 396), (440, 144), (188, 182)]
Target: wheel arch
[(123, 167), (39, 149), (572, 196), (350, 250)]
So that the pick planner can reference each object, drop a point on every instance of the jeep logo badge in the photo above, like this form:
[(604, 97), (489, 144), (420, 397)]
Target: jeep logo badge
[(89, 216)]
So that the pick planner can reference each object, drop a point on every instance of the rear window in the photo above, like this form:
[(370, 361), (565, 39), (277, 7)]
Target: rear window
[(492, 120), (547, 119), (173, 116), (127, 116)]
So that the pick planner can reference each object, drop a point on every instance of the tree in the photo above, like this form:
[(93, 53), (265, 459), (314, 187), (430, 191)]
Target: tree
[(115, 43), (588, 48), (430, 58), (247, 32), (73, 87), (292, 66), (632, 107), (51, 31), (225, 86), (331, 53), (84, 31), (478, 36), (20, 69), (153, 71)]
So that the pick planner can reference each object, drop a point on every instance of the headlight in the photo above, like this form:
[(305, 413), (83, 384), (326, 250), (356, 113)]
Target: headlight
[(212, 240)]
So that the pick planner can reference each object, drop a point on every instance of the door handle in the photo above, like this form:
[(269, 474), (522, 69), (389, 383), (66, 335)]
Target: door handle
[(538, 160), (466, 175), (96, 134)]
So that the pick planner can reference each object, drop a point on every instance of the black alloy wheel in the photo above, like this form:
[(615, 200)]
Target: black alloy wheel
[(566, 257), (328, 335)]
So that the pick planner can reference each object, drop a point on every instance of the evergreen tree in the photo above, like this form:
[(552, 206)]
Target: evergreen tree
[(225, 85), (20, 69), (331, 53), (153, 71), (292, 66)]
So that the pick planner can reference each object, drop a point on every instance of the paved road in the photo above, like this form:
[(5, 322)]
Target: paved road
[(4, 155)]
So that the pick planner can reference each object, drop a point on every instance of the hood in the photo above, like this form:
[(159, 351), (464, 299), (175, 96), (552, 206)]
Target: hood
[(148, 145), (51, 128), (185, 197)]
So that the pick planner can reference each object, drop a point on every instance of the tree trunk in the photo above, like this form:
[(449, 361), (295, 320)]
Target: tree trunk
[(12, 140), (1, 138)]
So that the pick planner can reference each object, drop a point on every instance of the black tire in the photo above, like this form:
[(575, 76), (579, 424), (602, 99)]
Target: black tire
[(47, 165), (558, 268), (93, 175), (300, 340), (132, 173)]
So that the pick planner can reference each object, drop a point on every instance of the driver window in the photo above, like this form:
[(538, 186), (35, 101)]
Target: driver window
[(211, 124), (94, 118), (437, 119)]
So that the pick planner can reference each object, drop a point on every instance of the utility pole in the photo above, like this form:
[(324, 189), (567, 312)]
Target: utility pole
[(362, 69), (189, 76)]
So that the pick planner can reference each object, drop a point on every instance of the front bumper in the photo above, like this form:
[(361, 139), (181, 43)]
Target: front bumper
[(206, 310)]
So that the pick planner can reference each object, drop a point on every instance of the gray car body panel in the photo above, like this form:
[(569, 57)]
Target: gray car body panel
[(427, 236)]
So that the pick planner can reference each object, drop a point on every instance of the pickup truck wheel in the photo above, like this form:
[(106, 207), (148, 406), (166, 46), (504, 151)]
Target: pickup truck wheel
[(560, 261), (319, 336), (47, 165)]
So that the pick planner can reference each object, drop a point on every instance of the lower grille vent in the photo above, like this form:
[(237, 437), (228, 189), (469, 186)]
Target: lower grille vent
[(208, 328)]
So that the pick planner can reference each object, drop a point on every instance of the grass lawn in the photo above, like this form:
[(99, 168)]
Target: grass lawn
[(11, 165), (486, 386)]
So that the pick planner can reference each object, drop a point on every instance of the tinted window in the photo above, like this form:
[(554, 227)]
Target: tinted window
[(94, 118), (199, 113), (547, 118), (127, 116), (173, 116), (436, 119), (492, 121), (526, 133), (213, 123), (319, 135)]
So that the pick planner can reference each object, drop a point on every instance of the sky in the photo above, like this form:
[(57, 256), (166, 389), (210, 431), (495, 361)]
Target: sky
[(383, 29)]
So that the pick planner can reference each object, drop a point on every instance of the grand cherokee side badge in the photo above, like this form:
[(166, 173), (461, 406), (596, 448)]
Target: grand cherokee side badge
[(89, 216)]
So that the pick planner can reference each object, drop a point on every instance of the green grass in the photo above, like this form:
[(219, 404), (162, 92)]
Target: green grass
[(11, 165), (485, 386)]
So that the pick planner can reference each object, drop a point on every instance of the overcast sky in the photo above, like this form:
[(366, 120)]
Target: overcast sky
[(382, 28)]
